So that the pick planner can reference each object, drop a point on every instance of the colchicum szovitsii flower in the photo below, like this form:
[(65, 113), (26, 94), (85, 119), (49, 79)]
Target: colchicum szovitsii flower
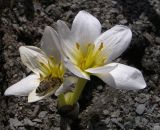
[(48, 68), (88, 52)]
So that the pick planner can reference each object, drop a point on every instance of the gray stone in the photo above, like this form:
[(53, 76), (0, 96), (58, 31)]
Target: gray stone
[(37, 120), (153, 107), (68, 15), (156, 98), (100, 87), (42, 114), (14, 122), (120, 17), (114, 120), (137, 120), (28, 122), (142, 99), (49, 8), (157, 40), (115, 114), (114, 10), (36, 110), (105, 112), (140, 109), (138, 23), (148, 37), (144, 121), (107, 120), (55, 128), (128, 125), (123, 21), (22, 19), (156, 127), (22, 128)]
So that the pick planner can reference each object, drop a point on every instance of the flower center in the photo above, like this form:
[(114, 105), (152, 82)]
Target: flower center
[(51, 69), (90, 56), (51, 76)]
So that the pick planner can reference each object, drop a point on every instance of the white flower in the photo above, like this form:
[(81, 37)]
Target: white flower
[(48, 70), (88, 52)]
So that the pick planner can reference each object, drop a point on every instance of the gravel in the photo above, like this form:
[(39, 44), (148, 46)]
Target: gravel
[(15, 123), (101, 108)]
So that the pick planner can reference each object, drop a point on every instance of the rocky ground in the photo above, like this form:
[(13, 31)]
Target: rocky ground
[(102, 107)]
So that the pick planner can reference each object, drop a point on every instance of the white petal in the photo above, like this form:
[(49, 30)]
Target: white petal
[(24, 86), (116, 40), (67, 43), (68, 85), (85, 28), (76, 70), (31, 56), (64, 32), (33, 97), (105, 68), (50, 43), (123, 77)]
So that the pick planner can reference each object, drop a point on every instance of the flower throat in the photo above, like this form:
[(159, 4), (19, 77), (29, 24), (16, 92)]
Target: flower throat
[(90, 57)]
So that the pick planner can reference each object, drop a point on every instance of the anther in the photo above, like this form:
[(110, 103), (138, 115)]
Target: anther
[(89, 45), (101, 46), (77, 45)]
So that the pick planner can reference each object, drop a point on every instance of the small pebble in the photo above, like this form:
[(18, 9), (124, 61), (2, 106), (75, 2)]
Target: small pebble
[(140, 109), (123, 21), (157, 40), (156, 127), (42, 114)]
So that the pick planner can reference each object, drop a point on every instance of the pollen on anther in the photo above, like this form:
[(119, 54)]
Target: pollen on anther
[(77, 45), (101, 46), (89, 45)]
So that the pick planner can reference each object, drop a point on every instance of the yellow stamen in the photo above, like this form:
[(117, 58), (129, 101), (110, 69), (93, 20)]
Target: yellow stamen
[(52, 69), (90, 57)]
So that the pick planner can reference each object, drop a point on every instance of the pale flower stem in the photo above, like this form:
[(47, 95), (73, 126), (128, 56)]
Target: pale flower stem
[(65, 123), (61, 100), (78, 90)]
